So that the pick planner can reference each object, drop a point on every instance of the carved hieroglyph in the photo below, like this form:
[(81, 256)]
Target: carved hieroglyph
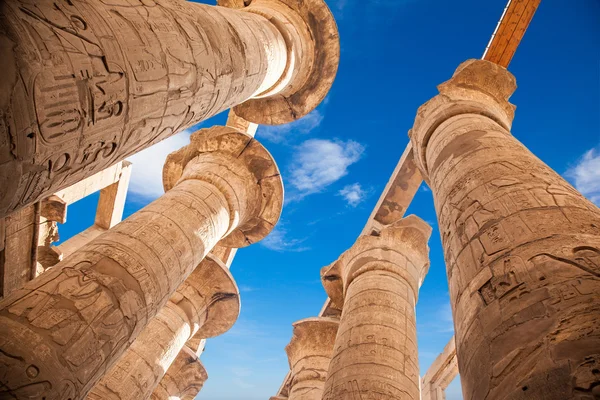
[(522, 247), (309, 353), (207, 304), (184, 378), (378, 281), (88, 83), (80, 317)]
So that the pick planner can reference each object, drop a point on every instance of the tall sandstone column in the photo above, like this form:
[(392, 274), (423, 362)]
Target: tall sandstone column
[(309, 353), (522, 247), (377, 280), (206, 304), (184, 378), (64, 330), (88, 83)]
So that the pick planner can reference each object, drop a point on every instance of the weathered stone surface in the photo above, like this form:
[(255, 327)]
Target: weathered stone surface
[(309, 353), (378, 278), (81, 316), (522, 247), (206, 304), (18, 245), (184, 378), (88, 83)]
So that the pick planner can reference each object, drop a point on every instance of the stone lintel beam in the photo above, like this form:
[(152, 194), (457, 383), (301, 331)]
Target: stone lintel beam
[(207, 304), (377, 280), (94, 183), (184, 378), (522, 246), (309, 353), (82, 315), (90, 83), (397, 195), (440, 374)]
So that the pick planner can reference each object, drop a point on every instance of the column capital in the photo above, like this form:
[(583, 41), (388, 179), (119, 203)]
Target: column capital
[(242, 169), (313, 54), (210, 298), (401, 248), (183, 379), (477, 87), (312, 337)]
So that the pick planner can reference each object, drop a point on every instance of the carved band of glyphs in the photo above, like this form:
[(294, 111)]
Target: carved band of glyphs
[(521, 245)]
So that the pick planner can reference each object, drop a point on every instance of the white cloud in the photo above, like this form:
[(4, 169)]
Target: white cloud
[(146, 175), (318, 163), (585, 175), (278, 240), (280, 133), (353, 194), (246, 289)]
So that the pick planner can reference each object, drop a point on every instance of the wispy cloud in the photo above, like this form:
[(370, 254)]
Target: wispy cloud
[(146, 175), (247, 289), (282, 133), (317, 163), (279, 240), (585, 175), (353, 194)]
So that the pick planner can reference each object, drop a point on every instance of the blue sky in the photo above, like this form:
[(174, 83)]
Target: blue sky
[(336, 161)]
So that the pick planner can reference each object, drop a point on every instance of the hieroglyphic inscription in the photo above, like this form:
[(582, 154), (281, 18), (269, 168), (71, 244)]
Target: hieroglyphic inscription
[(81, 316), (95, 81), (522, 249), (375, 353)]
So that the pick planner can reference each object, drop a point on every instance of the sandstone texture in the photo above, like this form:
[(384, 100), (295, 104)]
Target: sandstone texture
[(522, 247), (377, 280)]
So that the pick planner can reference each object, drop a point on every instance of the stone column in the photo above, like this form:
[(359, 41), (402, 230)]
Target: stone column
[(62, 331), (88, 83), (206, 304), (522, 247), (184, 378), (309, 354), (377, 280)]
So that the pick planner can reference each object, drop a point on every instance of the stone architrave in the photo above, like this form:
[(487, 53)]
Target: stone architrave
[(522, 247), (88, 83), (309, 353), (206, 304), (78, 318), (440, 374), (184, 378), (377, 280)]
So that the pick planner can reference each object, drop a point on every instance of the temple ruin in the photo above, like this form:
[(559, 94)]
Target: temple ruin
[(130, 303)]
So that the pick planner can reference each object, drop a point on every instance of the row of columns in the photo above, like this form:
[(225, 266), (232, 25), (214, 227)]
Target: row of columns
[(522, 252), (81, 317), (372, 349), (90, 83)]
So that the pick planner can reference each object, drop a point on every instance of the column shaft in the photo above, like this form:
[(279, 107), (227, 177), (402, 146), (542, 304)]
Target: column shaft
[(207, 303), (377, 280), (91, 82), (376, 345), (144, 363), (522, 248), (78, 318)]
